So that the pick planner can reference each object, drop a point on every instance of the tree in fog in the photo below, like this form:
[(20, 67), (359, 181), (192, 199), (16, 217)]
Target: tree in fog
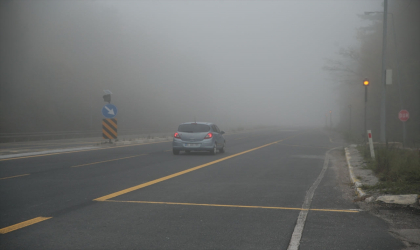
[(356, 63)]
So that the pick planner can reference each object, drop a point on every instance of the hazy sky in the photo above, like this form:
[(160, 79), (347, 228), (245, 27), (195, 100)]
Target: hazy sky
[(264, 59), (230, 62)]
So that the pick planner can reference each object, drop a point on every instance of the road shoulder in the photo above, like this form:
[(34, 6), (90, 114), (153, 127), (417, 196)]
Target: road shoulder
[(402, 213)]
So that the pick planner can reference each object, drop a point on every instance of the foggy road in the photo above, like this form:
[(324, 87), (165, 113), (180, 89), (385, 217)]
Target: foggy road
[(144, 197), (92, 92)]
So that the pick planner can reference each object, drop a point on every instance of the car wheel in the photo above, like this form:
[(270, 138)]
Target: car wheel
[(222, 150), (175, 151), (214, 150)]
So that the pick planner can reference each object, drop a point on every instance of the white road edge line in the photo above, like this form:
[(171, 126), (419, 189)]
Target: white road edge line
[(45, 152), (300, 224)]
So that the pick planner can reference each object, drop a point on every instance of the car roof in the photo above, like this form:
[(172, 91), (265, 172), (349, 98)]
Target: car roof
[(206, 123)]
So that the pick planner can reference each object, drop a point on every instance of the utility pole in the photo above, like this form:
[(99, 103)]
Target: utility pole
[(91, 119), (398, 76), (350, 119), (330, 119), (398, 68), (383, 101), (326, 120)]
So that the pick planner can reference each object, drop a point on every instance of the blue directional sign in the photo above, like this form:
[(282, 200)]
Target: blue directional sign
[(109, 111)]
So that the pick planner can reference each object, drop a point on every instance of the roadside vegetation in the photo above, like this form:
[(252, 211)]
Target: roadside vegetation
[(351, 137), (397, 169)]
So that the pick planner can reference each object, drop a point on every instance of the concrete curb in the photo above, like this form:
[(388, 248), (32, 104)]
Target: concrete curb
[(355, 181), (407, 199)]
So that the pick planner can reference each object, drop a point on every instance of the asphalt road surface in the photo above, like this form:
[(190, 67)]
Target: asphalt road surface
[(272, 189)]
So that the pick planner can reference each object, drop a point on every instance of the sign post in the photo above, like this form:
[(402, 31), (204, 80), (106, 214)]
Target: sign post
[(366, 84), (109, 125), (109, 129), (404, 115), (372, 152), (388, 78)]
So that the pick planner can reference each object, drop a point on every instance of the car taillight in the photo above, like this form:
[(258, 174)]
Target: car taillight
[(176, 135), (208, 136)]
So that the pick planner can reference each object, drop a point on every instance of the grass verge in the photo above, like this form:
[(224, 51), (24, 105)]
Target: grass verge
[(398, 170)]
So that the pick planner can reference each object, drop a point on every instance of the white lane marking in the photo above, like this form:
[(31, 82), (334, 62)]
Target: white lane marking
[(300, 224), (45, 152)]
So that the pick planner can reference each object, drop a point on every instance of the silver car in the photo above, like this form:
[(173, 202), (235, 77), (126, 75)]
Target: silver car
[(198, 136)]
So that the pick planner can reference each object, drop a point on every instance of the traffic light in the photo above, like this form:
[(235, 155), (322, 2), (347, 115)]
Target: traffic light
[(366, 82), (107, 98)]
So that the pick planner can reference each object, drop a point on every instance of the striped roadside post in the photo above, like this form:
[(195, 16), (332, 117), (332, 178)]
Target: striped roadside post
[(109, 129)]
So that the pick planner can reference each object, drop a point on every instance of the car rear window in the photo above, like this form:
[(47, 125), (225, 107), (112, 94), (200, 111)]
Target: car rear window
[(193, 128)]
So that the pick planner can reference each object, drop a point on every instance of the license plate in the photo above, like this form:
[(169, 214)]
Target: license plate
[(192, 145)]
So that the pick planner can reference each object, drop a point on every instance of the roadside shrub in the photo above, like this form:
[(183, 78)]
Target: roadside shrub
[(393, 164), (397, 169)]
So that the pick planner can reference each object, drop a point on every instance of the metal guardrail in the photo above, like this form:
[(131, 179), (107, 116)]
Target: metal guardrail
[(39, 136)]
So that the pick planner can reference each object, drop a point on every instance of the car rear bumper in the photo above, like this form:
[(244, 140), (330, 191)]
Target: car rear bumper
[(204, 145)]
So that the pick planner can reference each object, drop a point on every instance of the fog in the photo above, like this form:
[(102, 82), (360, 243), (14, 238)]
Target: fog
[(236, 63)]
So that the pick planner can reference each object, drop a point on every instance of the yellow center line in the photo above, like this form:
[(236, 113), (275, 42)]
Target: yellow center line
[(106, 161), (17, 226), (237, 206), (113, 195), (84, 150), (13, 176)]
